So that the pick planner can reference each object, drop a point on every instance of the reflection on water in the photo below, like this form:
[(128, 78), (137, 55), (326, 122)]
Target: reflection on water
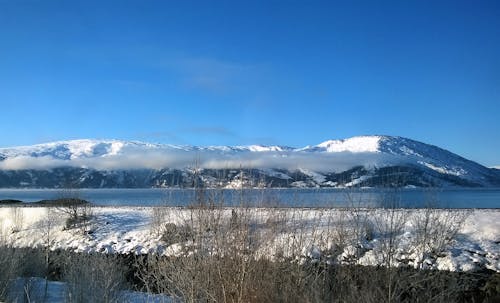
[(445, 198)]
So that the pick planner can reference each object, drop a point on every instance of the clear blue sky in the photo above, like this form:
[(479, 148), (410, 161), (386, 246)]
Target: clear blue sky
[(246, 72)]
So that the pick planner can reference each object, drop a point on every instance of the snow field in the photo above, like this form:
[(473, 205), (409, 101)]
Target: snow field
[(354, 236)]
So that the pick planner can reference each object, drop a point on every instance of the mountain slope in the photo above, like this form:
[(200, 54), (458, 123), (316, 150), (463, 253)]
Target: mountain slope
[(357, 161)]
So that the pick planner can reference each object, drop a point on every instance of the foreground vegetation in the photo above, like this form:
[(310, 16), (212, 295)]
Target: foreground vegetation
[(100, 277), (243, 254)]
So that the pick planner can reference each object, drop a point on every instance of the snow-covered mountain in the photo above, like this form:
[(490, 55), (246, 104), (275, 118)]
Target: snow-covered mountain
[(89, 148), (357, 161)]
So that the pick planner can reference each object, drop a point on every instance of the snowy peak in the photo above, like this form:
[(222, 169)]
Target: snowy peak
[(89, 148), (361, 144), (84, 148), (67, 150), (377, 144), (247, 148)]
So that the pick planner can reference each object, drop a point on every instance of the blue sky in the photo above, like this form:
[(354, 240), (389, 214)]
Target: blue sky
[(252, 72)]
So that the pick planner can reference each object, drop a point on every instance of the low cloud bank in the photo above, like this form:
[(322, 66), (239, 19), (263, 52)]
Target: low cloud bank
[(156, 159)]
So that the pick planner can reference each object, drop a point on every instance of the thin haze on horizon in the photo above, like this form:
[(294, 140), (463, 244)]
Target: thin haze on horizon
[(255, 72)]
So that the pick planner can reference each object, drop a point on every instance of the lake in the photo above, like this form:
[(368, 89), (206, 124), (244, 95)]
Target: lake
[(408, 198)]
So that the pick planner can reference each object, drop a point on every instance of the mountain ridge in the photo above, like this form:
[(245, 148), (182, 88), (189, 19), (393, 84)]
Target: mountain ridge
[(356, 161)]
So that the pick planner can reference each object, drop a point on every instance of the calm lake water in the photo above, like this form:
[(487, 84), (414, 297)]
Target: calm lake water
[(444, 198)]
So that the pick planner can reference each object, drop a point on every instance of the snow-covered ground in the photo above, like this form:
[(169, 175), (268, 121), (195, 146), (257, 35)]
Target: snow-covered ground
[(40, 290), (363, 233)]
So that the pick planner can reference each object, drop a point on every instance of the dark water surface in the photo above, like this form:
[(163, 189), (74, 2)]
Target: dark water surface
[(445, 198)]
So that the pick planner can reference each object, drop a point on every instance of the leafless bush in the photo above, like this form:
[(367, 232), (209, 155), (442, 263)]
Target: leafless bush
[(158, 217), (172, 233), (17, 218), (434, 230), (389, 223), (217, 251), (49, 223), (79, 212), (197, 278), (93, 278), (80, 217), (220, 260), (9, 268), (351, 227)]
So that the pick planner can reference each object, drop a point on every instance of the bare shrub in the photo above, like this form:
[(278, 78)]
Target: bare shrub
[(9, 269), (351, 227), (81, 218), (159, 219), (218, 248), (371, 285), (197, 278), (3, 232), (389, 223), (174, 234), (244, 254), (93, 278), (435, 229), (79, 212), (220, 259), (17, 218), (49, 223)]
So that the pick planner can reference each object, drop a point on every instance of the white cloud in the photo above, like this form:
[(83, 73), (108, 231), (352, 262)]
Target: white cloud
[(27, 162), (154, 159)]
